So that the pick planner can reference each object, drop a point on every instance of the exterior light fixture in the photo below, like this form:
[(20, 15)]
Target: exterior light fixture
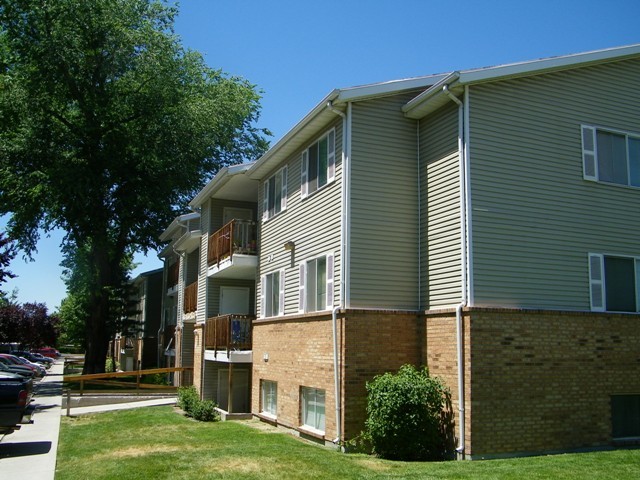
[(289, 245)]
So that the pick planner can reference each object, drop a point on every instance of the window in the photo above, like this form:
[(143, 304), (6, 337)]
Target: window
[(316, 284), (318, 164), (610, 156), (269, 397), (275, 194), (625, 416), (614, 283), (272, 298), (313, 408)]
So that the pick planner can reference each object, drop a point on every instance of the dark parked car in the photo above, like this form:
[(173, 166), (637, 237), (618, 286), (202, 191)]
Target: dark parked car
[(15, 396), (33, 357)]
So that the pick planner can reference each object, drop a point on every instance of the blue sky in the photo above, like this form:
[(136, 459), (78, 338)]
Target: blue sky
[(296, 52)]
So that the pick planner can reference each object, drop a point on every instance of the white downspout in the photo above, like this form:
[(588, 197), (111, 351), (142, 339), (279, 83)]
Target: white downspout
[(346, 154), (463, 257)]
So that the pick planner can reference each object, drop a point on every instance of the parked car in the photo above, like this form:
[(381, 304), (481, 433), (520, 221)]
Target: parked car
[(20, 370), (34, 358), (15, 396), (8, 359), (40, 368), (48, 352)]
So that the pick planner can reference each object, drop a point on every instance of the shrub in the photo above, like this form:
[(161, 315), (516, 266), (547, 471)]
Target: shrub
[(202, 410), (111, 366), (187, 399), (404, 415), (205, 411)]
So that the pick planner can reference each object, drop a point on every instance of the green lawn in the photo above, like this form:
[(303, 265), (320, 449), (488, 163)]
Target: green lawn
[(158, 443)]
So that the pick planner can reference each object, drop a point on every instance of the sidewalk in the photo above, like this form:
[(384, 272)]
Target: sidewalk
[(31, 451)]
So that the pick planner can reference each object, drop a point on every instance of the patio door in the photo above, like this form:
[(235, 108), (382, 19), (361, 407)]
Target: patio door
[(240, 390), (234, 300)]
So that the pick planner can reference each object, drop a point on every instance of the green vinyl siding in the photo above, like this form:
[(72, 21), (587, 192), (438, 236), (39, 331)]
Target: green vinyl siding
[(440, 209), (312, 223), (534, 217), (384, 206)]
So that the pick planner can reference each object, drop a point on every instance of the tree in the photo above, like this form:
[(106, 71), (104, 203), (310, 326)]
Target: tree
[(7, 253), (29, 324), (108, 127)]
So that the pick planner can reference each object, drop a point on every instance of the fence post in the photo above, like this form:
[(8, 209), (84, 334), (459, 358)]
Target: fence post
[(68, 402)]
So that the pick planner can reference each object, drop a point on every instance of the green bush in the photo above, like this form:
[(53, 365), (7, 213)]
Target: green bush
[(155, 379), (205, 411), (190, 403), (187, 399), (405, 415), (110, 366)]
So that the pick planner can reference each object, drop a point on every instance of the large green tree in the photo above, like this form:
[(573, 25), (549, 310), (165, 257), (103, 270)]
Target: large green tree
[(108, 126)]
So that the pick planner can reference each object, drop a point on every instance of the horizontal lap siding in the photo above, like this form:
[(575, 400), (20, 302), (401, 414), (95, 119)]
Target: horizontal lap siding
[(313, 224), (534, 217), (440, 209), (384, 206)]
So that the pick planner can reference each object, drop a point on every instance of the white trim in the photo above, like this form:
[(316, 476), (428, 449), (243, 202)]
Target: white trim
[(589, 155), (302, 297), (283, 192), (281, 296), (263, 296), (330, 281), (304, 174), (596, 282)]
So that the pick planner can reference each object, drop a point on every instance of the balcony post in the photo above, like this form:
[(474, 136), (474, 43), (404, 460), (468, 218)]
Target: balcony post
[(230, 396)]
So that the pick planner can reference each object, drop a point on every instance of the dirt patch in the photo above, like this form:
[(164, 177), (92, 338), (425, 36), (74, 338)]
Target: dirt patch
[(141, 451)]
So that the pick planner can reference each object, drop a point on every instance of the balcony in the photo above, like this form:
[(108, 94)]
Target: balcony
[(173, 274), (232, 251), (191, 298), (229, 338)]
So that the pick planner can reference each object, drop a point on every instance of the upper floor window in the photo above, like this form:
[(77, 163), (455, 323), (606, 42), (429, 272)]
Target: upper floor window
[(611, 156), (272, 298), (614, 283), (275, 194), (316, 284), (318, 164)]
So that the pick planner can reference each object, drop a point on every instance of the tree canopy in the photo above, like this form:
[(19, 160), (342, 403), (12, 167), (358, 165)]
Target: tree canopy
[(108, 127)]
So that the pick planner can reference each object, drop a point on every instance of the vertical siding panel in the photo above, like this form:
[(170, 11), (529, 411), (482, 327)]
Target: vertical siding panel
[(384, 205), (534, 216), (439, 215)]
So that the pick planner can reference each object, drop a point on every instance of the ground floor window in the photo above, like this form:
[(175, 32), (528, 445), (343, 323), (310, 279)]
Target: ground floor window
[(313, 415), (269, 397), (625, 416)]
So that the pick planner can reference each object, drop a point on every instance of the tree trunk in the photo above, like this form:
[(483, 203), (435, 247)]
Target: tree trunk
[(106, 275)]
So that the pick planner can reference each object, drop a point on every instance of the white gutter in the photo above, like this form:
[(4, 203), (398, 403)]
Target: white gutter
[(463, 257), (346, 134)]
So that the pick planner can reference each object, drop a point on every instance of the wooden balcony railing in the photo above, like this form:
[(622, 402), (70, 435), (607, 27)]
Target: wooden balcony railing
[(229, 332), (173, 275), (237, 236), (191, 298), (168, 337)]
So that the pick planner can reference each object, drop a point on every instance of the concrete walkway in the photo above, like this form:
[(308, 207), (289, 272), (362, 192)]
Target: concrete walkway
[(31, 452)]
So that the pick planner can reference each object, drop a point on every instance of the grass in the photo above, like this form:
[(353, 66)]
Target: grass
[(158, 443)]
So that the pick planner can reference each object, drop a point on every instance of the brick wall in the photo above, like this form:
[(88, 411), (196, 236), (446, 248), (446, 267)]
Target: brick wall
[(542, 381), (177, 378), (300, 352), (198, 357)]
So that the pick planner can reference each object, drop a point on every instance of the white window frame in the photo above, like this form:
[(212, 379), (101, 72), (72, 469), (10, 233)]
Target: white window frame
[(330, 136), (590, 153), (266, 200), (269, 398), (266, 290), (597, 283), (310, 400), (305, 284)]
